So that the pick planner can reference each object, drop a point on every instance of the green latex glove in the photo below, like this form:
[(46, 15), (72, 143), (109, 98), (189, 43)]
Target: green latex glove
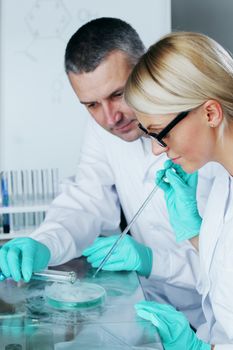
[(22, 256), (128, 255), (180, 196), (172, 326)]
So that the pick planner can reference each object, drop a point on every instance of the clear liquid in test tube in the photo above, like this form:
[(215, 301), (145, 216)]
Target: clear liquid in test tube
[(55, 276)]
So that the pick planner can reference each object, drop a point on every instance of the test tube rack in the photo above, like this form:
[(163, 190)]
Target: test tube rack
[(24, 199)]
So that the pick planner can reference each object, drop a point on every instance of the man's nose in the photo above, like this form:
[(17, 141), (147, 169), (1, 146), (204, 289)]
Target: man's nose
[(111, 112), (157, 149)]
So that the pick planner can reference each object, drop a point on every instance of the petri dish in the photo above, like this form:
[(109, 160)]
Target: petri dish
[(80, 295)]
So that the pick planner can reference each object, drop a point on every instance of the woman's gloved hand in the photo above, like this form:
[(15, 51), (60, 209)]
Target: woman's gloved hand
[(128, 255), (20, 257), (180, 195), (172, 326)]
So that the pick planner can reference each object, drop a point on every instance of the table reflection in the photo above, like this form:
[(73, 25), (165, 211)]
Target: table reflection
[(27, 321)]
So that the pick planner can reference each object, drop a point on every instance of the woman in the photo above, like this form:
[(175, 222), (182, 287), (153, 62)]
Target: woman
[(182, 93)]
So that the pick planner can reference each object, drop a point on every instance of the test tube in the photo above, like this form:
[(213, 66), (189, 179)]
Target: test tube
[(14, 198), (36, 188), (5, 201), (55, 182), (55, 276)]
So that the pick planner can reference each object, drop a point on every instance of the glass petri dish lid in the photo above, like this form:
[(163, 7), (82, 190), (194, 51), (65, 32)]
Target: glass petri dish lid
[(77, 296)]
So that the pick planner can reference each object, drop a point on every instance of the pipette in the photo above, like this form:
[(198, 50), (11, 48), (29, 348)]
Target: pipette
[(126, 230), (51, 276)]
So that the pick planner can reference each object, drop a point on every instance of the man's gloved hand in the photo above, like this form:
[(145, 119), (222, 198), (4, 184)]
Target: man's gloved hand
[(22, 256), (172, 326), (128, 255), (180, 195)]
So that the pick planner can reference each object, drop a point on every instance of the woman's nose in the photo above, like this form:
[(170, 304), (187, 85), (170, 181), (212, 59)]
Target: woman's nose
[(157, 149)]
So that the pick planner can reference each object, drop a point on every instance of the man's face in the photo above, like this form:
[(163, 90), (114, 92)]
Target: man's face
[(101, 92)]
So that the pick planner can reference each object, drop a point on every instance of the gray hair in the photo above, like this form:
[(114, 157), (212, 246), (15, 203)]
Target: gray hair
[(95, 40)]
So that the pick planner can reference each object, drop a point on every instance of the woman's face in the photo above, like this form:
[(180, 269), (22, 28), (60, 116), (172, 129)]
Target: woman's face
[(190, 143)]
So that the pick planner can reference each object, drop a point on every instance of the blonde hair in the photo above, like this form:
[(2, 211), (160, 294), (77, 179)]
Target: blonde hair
[(180, 72)]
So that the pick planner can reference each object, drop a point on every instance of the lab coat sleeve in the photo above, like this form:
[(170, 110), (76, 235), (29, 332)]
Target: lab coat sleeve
[(173, 280), (176, 266), (86, 206), (168, 265)]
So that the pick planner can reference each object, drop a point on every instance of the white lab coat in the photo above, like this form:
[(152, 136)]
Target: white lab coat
[(216, 261), (112, 171)]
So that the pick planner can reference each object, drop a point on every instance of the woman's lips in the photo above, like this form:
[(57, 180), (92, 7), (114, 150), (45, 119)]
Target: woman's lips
[(176, 160)]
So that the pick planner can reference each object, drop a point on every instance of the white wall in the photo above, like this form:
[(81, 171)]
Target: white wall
[(42, 123)]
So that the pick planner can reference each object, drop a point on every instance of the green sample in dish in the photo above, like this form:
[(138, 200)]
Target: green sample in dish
[(80, 295)]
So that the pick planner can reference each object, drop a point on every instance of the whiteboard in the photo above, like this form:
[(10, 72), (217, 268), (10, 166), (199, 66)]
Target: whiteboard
[(41, 120)]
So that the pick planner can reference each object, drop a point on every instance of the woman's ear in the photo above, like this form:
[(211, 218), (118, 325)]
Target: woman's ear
[(213, 112)]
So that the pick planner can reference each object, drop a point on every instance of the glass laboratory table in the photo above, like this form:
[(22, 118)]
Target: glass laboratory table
[(28, 321)]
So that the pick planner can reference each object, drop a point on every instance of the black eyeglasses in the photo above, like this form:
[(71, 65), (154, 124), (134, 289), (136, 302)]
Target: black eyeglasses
[(158, 137)]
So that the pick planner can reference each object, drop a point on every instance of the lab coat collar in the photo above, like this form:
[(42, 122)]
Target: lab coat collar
[(229, 214)]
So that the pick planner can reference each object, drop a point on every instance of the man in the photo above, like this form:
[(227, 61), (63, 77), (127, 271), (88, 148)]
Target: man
[(116, 168)]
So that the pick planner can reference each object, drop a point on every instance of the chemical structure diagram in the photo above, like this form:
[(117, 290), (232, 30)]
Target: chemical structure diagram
[(48, 21)]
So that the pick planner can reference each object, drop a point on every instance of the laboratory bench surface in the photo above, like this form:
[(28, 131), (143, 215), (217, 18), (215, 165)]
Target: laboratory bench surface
[(28, 322)]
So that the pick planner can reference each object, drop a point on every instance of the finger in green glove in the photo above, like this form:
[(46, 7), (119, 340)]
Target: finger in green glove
[(180, 195), (20, 257), (172, 325), (129, 255)]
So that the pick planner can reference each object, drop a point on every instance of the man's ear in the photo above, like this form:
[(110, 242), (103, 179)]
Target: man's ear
[(213, 112)]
